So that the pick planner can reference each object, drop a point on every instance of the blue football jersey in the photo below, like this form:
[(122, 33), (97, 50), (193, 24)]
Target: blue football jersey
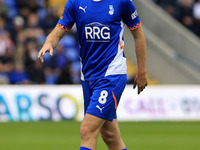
[(100, 26)]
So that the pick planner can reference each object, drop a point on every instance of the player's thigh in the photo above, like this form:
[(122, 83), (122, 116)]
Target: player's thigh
[(110, 130), (91, 125)]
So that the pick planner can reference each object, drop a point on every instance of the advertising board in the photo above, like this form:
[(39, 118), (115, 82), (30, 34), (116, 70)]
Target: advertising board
[(36, 103)]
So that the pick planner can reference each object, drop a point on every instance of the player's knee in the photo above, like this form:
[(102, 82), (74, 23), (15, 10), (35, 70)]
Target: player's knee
[(85, 132), (108, 137)]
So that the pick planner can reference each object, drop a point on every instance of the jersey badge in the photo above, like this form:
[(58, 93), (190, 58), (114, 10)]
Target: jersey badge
[(111, 11)]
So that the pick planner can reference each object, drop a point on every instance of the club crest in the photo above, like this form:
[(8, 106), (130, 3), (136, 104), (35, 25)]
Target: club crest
[(111, 10)]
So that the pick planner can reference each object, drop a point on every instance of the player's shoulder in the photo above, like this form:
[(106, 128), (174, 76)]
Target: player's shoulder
[(75, 3), (122, 1), (125, 2), (71, 2)]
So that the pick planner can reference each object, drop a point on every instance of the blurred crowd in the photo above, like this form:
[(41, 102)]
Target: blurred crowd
[(24, 25), (185, 11)]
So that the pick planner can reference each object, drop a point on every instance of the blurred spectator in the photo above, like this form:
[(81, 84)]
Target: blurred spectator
[(65, 76), (7, 51), (18, 75), (186, 15), (12, 7), (75, 72), (30, 55), (186, 11), (18, 25), (24, 25), (3, 8), (34, 68), (170, 6), (4, 79), (51, 76), (196, 12), (32, 30), (59, 59), (36, 73)]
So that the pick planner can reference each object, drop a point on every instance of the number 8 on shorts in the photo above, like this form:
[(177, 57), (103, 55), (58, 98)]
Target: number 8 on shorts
[(103, 96)]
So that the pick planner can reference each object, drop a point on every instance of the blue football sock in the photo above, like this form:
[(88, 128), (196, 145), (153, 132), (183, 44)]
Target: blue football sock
[(125, 149), (84, 148)]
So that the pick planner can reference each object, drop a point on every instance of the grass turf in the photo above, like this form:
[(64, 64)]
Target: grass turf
[(65, 136)]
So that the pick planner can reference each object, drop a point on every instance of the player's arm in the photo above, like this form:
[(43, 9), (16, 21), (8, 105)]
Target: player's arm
[(51, 42), (140, 47)]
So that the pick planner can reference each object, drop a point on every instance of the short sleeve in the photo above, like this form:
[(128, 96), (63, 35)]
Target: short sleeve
[(130, 15), (67, 19)]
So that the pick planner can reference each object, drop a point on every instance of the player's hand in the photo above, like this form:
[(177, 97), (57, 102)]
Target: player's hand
[(140, 81), (47, 47)]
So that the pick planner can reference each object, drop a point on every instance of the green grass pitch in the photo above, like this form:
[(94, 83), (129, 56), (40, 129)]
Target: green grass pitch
[(65, 136)]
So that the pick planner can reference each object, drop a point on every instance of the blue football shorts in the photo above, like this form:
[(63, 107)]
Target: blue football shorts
[(102, 96)]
